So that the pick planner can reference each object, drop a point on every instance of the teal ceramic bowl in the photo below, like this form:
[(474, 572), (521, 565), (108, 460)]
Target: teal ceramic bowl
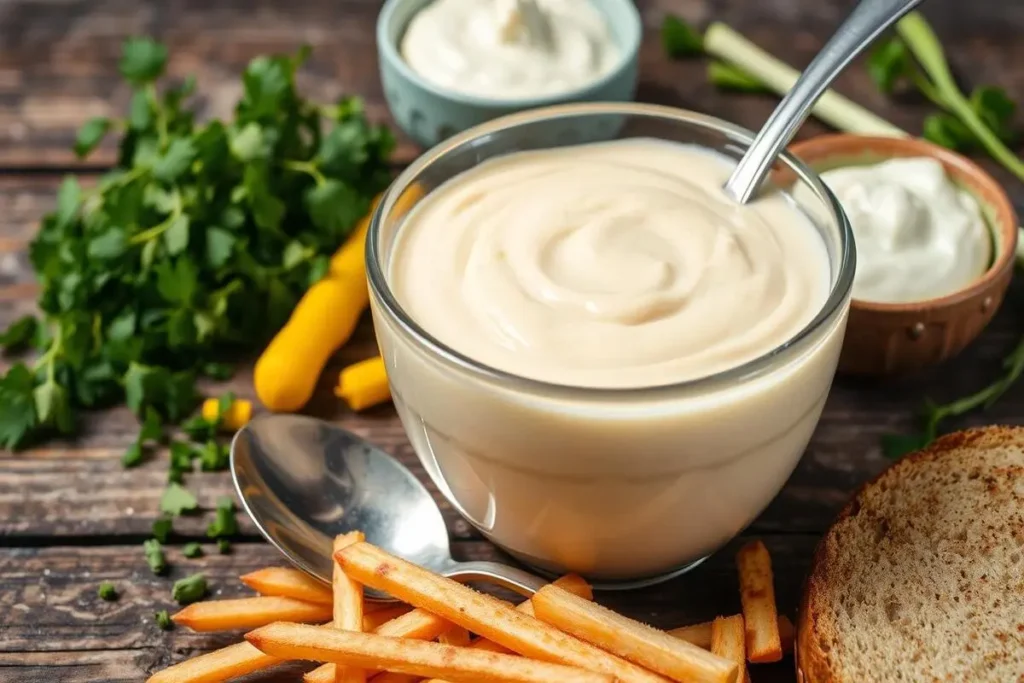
[(429, 113)]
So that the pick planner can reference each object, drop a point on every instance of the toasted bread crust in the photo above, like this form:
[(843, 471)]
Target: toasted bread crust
[(814, 662)]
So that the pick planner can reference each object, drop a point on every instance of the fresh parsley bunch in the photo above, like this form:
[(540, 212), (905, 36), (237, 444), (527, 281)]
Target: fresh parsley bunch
[(193, 250)]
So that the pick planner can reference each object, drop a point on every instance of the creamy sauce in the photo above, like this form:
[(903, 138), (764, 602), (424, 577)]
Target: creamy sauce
[(918, 235), (619, 264), (508, 49)]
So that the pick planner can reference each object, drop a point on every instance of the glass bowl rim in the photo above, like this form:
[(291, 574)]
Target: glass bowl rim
[(839, 292)]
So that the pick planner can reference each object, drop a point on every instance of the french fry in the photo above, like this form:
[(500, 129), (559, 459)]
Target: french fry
[(220, 665), (787, 633), (456, 636), (481, 614), (380, 616), (728, 640), (288, 583), (227, 615), (417, 657), (700, 634), (639, 643), (757, 593), (348, 606), (695, 634), (394, 677), (422, 625)]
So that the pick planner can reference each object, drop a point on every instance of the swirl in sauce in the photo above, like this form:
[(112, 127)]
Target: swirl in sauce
[(616, 264)]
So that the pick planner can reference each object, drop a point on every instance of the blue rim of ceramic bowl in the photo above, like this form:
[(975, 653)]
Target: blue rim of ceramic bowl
[(839, 294), (389, 50)]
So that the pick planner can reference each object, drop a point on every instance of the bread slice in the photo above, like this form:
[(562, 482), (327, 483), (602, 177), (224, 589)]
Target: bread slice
[(921, 578)]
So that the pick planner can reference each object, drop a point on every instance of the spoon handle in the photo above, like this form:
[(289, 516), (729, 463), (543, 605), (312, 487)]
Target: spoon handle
[(517, 580), (867, 21)]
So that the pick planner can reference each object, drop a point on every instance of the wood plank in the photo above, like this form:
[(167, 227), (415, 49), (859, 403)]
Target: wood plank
[(58, 57), (52, 592)]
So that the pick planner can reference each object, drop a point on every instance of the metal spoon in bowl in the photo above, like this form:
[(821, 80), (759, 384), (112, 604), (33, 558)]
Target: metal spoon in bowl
[(304, 481), (867, 21)]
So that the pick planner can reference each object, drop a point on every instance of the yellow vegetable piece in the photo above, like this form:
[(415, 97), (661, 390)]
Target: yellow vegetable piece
[(364, 384), (352, 255), (234, 418), (324, 319)]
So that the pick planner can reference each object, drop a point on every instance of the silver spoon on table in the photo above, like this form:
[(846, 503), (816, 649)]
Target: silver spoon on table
[(304, 481), (867, 21)]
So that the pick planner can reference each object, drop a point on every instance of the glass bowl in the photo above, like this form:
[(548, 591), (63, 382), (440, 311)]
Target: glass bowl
[(624, 486)]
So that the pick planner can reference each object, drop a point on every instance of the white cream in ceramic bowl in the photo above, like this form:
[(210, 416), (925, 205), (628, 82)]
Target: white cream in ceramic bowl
[(554, 451)]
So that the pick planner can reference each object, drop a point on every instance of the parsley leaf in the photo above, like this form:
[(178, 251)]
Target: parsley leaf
[(190, 589), (996, 109), (132, 456), (152, 427), (17, 406), (192, 550), (335, 207), (175, 161), (177, 500), (679, 39), (20, 334), (107, 592), (887, 63), (214, 456), (162, 528), (224, 524), (143, 60), (223, 546), (90, 135), (163, 620), (947, 131), (154, 552)]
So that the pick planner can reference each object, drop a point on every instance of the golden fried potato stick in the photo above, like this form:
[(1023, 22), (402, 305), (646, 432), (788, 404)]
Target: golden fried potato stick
[(348, 606), (700, 634), (227, 615), (288, 583), (456, 636), (757, 593), (481, 614), (632, 640), (224, 664), (423, 625), (728, 640), (382, 615), (421, 658)]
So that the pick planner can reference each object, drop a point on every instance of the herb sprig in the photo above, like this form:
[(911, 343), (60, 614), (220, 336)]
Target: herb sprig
[(981, 121), (192, 250)]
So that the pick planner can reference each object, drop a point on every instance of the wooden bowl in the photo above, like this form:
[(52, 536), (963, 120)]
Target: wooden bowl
[(896, 338)]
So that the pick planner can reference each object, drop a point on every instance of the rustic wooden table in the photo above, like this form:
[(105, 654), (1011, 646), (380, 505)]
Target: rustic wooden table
[(71, 517)]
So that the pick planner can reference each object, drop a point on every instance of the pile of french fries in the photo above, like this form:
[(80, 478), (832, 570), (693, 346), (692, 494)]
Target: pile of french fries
[(446, 632)]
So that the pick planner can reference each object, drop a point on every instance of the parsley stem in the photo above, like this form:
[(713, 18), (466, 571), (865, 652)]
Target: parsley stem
[(49, 357), (161, 121), (942, 89), (161, 227), (307, 167)]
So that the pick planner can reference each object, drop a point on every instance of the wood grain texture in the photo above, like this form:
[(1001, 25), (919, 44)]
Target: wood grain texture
[(71, 517)]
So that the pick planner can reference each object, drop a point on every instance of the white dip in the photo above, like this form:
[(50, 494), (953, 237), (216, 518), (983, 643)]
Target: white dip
[(508, 49), (918, 235)]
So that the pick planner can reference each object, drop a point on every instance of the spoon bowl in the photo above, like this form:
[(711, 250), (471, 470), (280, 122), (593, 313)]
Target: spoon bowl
[(303, 481)]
